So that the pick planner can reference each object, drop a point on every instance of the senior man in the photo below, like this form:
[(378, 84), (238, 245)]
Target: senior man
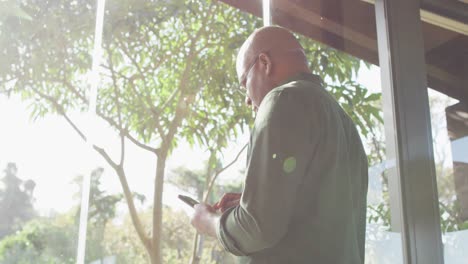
[(304, 195)]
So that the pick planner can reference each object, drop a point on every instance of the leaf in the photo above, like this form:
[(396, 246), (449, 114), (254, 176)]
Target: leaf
[(11, 8), (374, 97)]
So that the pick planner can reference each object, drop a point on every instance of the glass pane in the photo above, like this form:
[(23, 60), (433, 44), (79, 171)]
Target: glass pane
[(170, 89), (383, 235), (39, 191), (449, 118), (149, 51), (360, 96), (167, 98), (46, 55), (41, 163), (446, 65)]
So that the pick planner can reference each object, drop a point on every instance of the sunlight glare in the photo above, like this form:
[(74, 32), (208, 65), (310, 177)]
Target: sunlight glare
[(266, 12), (93, 81)]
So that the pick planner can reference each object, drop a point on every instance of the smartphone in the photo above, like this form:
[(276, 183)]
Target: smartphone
[(188, 200)]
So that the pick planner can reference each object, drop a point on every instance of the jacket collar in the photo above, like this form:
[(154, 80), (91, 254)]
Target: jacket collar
[(304, 76)]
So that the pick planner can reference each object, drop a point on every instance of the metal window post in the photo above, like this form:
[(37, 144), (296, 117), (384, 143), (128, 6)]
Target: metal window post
[(413, 189)]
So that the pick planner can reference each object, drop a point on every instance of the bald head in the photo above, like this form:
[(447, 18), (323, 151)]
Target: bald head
[(274, 39), (268, 57)]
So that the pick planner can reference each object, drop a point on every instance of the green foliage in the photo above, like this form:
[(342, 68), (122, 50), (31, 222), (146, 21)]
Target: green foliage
[(450, 217), (102, 206), (339, 70), (120, 240), (53, 240), (332, 65), (359, 104), (165, 62), (16, 201), (450, 211), (40, 241), (196, 182), (102, 209), (189, 180), (379, 214)]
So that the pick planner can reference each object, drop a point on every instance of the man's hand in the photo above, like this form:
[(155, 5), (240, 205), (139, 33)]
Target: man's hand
[(205, 219), (227, 201)]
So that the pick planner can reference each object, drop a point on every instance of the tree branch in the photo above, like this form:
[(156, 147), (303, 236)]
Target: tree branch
[(59, 109), (117, 168), (183, 102), (142, 145), (195, 258), (182, 111), (210, 186), (126, 133), (73, 90), (152, 110), (132, 59), (106, 156), (114, 83), (132, 209), (122, 150), (171, 97), (166, 56)]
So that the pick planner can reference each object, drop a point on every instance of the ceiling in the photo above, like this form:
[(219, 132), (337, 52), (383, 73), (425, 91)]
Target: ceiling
[(349, 26)]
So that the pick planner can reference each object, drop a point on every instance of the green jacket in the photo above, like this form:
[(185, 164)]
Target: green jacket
[(304, 197)]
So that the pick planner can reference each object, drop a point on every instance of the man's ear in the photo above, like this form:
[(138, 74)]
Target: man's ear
[(266, 63)]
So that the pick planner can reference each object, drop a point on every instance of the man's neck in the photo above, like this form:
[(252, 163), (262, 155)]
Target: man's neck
[(293, 75)]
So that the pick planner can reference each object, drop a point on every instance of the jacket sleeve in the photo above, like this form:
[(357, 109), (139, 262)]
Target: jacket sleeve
[(282, 143)]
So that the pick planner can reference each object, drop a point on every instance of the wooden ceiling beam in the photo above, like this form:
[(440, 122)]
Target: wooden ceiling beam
[(295, 10), (290, 14)]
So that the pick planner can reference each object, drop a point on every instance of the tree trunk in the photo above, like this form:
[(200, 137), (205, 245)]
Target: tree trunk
[(156, 239), (195, 257), (154, 258)]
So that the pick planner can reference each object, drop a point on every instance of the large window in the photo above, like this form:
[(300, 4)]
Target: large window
[(170, 120), (449, 130), (446, 65)]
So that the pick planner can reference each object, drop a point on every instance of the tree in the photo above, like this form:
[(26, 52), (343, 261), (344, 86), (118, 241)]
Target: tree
[(41, 241), (197, 181), (54, 239), (202, 184), (157, 88), (101, 205), (168, 75), (121, 241), (16, 201), (102, 209)]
